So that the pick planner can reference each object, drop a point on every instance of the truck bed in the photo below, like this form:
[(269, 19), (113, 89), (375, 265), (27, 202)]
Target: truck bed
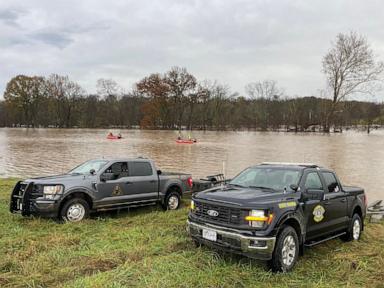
[(353, 190)]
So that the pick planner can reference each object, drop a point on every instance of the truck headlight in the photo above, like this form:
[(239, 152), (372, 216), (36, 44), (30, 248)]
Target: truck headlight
[(192, 205), (257, 218), (51, 191)]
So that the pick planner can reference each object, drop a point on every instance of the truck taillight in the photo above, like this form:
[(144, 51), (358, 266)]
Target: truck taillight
[(190, 182)]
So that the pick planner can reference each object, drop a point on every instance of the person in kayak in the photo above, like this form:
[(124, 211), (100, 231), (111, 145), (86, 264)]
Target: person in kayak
[(191, 139)]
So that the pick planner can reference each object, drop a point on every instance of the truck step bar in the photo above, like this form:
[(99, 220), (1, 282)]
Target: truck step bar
[(313, 243), (102, 209)]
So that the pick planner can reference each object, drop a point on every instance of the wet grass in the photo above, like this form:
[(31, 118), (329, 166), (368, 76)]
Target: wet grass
[(147, 247)]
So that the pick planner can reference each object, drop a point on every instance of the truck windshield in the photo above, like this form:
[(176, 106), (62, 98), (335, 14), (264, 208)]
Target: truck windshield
[(88, 166), (267, 178)]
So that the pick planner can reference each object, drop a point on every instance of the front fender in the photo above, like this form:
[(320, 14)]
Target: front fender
[(291, 214), (84, 190)]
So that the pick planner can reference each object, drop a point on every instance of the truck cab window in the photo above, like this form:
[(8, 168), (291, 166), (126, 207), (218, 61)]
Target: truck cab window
[(118, 169), (313, 182), (331, 182), (141, 169)]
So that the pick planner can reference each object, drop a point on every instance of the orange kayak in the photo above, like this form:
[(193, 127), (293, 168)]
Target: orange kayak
[(181, 141), (113, 137)]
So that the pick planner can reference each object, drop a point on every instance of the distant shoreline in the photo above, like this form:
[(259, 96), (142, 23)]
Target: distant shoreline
[(341, 129)]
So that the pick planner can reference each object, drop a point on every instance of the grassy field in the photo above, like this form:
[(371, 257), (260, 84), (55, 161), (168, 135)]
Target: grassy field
[(150, 248)]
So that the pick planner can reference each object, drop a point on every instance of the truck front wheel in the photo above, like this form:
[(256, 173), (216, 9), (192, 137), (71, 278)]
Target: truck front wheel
[(286, 251), (74, 210), (172, 201)]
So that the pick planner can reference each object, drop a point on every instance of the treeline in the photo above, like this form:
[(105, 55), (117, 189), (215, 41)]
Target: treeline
[(174, 100)]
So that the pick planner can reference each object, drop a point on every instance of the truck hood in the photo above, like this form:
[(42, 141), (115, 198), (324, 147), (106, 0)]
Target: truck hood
[(243, 196), (58, 179)]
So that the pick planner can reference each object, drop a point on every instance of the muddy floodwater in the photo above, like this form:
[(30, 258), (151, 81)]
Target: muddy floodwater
[(358, 158)]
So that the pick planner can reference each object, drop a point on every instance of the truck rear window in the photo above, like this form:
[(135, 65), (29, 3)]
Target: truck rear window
[(141, 169)]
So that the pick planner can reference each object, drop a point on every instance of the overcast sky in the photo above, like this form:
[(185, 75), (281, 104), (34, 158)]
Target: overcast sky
[(234, 42)]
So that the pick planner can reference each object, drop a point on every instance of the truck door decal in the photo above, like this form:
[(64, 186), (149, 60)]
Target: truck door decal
[(318, 213), (117, 191)]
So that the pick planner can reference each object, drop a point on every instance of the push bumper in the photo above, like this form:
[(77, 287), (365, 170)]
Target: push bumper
[(26, 202), (42, 208), (233, 241)]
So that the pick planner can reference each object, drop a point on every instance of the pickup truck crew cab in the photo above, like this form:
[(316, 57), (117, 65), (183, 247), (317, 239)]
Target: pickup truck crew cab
[(272, 211), (97, 185)]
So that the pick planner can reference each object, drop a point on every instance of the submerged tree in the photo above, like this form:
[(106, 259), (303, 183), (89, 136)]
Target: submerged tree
[(263, 94), (350, 67), (22, 96), (65, 94), (182, 90)]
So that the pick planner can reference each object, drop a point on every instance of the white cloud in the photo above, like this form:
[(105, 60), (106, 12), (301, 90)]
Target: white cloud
[(235, 42)]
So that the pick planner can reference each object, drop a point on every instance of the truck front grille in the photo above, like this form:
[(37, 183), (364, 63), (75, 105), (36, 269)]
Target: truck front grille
[(224, 214), (37, 191)]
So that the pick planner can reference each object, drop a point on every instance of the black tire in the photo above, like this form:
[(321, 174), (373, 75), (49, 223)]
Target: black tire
[(286, 238), (74, 210), (197, 243), (351, 236), (172, 201)]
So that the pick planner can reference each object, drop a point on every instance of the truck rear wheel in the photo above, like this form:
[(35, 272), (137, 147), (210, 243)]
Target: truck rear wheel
[(354, 229), (286, 251), (74, 210), (172, 201)]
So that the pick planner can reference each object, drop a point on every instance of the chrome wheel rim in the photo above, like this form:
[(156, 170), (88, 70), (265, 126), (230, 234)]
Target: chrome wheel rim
[(75, 212), (173, 202), (356, 229), (289, 250)]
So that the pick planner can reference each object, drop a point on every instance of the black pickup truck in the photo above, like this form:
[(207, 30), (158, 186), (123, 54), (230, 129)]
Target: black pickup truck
[(272, 211), (98, 185)]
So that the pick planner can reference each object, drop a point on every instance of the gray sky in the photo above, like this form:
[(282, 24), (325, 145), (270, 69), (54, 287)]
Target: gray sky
[(234, 42)]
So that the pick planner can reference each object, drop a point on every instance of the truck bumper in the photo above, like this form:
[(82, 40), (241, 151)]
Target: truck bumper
[(26, 202), (45, 208), (235, 242)]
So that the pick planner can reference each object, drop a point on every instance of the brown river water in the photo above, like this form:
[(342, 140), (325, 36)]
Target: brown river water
[(357, 158)]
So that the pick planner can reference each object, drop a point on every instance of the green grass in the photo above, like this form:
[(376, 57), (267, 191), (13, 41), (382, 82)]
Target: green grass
[(150, 248)]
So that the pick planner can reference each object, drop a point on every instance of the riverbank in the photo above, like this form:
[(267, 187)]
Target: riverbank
[(150, 248)]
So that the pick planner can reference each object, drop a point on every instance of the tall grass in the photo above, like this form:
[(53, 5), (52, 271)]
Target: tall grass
[(147, 247)]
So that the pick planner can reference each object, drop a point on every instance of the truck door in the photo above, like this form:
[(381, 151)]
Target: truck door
[(111, 189), (314, 208), (142, 183), (335, 202)]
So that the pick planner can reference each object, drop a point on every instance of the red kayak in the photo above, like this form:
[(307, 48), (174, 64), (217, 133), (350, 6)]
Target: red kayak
[(113, 137), (181, 141)]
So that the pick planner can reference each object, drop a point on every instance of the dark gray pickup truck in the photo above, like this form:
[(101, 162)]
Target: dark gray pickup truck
[(272, 211), (98, 185)]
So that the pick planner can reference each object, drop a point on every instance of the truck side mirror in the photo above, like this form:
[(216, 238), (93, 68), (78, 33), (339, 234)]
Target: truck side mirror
[(159, 172), (92, 171), (294, 187)]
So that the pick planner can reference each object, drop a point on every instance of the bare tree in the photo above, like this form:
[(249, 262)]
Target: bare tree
[(65, 94), (350, 67), (268, 89), (182, 87), (262, 95), (108, 87)]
